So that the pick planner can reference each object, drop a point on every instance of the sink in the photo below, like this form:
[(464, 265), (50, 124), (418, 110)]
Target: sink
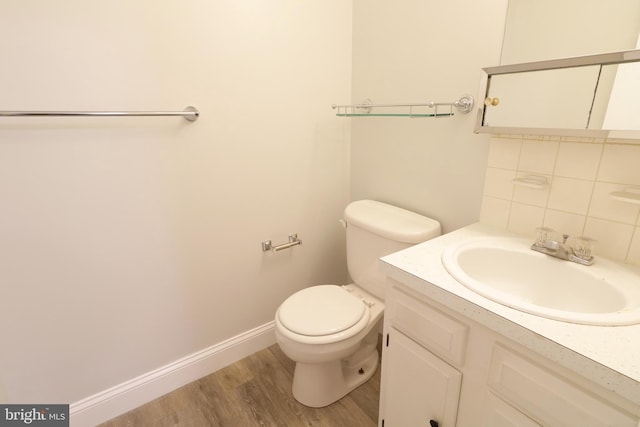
[(506, 271)]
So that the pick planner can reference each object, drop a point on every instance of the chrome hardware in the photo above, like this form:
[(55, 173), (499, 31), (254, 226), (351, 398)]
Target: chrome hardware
[(580, 254), (463, 105), (293, 241), (189, 113)]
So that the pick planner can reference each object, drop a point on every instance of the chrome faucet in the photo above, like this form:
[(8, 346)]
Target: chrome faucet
[(580, 253)]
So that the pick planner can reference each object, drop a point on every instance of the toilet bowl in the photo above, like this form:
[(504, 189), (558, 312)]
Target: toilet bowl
[(332, 334), (331, 331)]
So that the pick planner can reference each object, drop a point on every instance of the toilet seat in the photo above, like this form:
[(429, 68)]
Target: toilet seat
[(323, 310)]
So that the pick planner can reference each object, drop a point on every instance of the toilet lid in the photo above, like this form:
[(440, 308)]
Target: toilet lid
[(321, 310)]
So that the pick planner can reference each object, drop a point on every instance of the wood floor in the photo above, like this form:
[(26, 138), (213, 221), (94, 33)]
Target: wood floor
[(255, 391)]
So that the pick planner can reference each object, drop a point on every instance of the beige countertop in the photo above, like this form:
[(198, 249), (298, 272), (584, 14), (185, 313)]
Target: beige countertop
[(606, 355)]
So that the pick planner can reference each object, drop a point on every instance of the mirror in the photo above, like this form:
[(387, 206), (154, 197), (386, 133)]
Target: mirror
[(525, 103), (617, 103), (578, 96), (592, 95), (540, 30)]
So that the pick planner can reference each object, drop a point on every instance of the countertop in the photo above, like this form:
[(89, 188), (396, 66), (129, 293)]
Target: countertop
[(606, 355)]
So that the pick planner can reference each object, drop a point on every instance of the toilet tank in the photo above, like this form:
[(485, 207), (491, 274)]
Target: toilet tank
[(376, 229)]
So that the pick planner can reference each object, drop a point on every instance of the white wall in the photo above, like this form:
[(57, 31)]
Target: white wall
[(127, 243), (416, 51)]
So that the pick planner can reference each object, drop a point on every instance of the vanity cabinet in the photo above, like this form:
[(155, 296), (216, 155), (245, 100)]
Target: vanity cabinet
[(442, 368)]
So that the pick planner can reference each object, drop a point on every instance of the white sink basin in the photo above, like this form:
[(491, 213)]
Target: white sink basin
[(506, 271)]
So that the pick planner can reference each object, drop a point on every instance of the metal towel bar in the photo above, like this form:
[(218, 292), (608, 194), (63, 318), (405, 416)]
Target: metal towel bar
[(190, 113), (293, 241)]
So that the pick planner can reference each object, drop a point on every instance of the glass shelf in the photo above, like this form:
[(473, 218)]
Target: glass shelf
[(394, 115), (462, 105)]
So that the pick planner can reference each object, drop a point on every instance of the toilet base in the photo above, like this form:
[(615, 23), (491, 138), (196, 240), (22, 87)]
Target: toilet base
[(321, 384)]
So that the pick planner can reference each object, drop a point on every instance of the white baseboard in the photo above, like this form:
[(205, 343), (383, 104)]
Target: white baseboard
[(124, 397)]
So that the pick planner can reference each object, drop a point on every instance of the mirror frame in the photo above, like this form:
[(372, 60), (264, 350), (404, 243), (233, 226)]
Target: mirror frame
[(611, 58)]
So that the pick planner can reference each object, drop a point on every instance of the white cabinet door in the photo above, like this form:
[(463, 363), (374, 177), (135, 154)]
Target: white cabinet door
[(419, 387)]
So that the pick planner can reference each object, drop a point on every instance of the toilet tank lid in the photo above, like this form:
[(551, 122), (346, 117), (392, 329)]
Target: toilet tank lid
[(391, 222)]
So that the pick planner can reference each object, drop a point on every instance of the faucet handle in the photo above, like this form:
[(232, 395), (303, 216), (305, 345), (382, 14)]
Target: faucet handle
[(544, 233), (583, 247), (564, 238)]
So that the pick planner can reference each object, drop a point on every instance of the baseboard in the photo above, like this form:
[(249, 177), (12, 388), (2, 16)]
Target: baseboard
[(124, 397)]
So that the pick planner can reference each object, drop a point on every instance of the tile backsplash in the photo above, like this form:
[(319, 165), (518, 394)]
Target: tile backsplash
[(582, 174)]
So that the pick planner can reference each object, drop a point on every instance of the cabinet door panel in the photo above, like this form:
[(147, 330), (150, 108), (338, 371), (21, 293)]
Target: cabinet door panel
[(419, 386), (552, 399), (502, 414)]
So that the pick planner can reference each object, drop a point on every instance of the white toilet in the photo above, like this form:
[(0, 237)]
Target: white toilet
[(331, 331)]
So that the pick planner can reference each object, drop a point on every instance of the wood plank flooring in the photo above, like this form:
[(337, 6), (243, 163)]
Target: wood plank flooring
[(255, 391)]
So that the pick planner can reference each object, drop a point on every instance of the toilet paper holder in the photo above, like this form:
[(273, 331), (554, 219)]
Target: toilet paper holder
[(293, 241)]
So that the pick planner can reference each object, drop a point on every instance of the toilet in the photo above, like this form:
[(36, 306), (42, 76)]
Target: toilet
[(331, 331)]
